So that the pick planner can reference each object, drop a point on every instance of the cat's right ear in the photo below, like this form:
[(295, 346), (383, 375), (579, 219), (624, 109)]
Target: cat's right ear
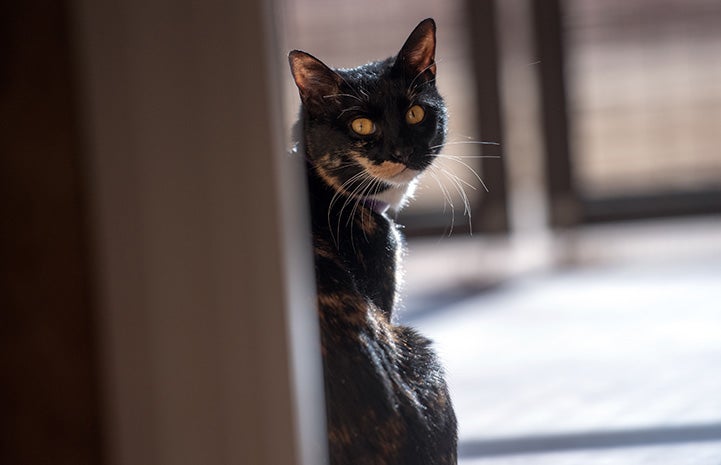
[(417, 57), (316, 82)]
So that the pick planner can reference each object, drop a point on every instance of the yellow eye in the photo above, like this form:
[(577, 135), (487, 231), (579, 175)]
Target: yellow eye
[(415, 114), (363, 126)]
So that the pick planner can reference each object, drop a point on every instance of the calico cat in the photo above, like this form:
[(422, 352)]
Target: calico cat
[(367, 134)]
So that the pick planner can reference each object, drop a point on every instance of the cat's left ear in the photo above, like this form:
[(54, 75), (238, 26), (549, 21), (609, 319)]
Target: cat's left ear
[(316, 82), (417, 58)]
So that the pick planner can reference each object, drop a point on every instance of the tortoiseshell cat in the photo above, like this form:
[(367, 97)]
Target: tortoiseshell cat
[(368, 132)]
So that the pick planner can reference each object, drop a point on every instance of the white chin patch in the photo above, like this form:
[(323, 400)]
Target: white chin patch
[(404, 178), (403, 186)]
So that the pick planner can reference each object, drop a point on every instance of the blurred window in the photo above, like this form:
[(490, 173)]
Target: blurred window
[(644, 95)]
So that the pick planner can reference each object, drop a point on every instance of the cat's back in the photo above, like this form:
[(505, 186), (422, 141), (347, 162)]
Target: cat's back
[(386, 399)]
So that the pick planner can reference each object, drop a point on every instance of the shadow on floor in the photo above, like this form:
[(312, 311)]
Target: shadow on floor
[(590, 440), (422, 305)]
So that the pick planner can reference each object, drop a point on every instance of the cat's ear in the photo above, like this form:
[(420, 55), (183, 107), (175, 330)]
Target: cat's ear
[(417, 58), (316, 82)]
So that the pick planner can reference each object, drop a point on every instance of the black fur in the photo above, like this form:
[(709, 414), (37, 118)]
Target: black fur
[(386, 399)]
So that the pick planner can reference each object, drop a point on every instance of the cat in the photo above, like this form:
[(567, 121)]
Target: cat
[(367, 134)]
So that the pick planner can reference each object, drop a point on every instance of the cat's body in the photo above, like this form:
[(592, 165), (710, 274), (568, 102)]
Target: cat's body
[(367, 133)]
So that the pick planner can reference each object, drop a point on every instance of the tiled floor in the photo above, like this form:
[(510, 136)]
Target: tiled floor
[(619, 364)]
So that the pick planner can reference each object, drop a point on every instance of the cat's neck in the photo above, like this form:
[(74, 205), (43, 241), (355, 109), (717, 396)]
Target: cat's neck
[(395, 197), (377, 205)]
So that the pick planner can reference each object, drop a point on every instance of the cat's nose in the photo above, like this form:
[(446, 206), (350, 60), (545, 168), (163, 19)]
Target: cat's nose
[(403, 154)]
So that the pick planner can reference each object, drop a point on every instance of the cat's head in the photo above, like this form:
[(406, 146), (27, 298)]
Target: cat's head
[(371, 130)]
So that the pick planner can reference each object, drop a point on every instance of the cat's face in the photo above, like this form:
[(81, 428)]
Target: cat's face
[(370, 131)]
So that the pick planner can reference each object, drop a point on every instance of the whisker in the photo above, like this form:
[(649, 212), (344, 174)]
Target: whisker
[(466, 203), (452, 158), (465, 142), (353, 196), (343, 95), (414, 92), (458, 178), (365, 212), (447, 155), (336, 196), (358, 199), (446, 195), (341, 166), (352, 88), (355, 107), (410, 87), (358, 196)]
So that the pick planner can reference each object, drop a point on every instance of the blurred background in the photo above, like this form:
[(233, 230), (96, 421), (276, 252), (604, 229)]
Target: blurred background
[(153, 291), (577, 306)]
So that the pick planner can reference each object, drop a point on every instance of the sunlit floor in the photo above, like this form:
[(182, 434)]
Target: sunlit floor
[(617, 363)]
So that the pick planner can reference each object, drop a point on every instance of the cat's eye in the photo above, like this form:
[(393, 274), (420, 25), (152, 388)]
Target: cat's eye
[(415, 114), (363, 126)]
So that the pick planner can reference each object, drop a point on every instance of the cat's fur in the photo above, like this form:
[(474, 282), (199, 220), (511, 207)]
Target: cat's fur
[(387, 402)]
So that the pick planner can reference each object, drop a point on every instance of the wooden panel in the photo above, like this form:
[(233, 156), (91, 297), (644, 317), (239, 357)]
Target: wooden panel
[(205, 281), (49, 388)]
